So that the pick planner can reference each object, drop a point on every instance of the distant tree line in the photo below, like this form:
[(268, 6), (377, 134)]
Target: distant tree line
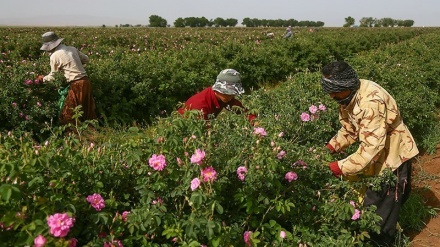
[(203, 22), (254, 22), (157, 21), (373, 22)]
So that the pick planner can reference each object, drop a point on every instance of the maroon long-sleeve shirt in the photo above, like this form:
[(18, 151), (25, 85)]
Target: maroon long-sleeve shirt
[(207, 103)]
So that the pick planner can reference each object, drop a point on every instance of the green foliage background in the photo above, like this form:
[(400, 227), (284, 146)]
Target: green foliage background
[(141, 73), (139, 76)]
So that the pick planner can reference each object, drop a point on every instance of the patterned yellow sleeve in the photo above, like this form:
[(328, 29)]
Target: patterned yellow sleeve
[(346, 135), (372, 137)]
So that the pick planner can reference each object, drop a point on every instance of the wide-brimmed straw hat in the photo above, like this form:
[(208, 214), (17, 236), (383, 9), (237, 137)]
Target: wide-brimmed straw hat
[(50, 41)]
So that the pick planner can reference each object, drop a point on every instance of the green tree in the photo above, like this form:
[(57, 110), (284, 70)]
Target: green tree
[(157, 21), (367, 22), (291, 22), (405, 23), (388, 22), (231, 22), (320, 24), (219, 22), (247, 22), (349, 21), (203, 21), (179, 22)]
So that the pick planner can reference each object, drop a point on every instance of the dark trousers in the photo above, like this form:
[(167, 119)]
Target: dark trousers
[(389, 201)]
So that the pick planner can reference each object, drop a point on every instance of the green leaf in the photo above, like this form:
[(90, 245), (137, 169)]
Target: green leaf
[(215, 242), (8, 191), (99, 184), (219, 208), (103, 217), (272, 223), (37, 180), (196, 199), (72, 207), (131, 229), (209, 229)]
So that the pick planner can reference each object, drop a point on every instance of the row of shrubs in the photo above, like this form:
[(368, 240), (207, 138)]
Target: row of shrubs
[(178, 182), (138, 74)]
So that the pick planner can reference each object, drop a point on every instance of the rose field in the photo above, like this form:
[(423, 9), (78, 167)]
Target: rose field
[(144, 175)]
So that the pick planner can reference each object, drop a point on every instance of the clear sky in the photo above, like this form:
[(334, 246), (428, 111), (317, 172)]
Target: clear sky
[(115, 12)]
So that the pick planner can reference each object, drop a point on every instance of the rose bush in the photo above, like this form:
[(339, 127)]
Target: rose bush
[(182, 182), (195, 199)]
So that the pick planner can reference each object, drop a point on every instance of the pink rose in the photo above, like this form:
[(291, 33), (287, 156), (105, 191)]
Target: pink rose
[(39, 241)]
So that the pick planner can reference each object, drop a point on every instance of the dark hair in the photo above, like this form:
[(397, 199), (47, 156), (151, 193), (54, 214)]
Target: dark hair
[(334, 68)]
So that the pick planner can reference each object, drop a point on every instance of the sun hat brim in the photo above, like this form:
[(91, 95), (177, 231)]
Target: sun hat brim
[(228, 88), (48, 46)]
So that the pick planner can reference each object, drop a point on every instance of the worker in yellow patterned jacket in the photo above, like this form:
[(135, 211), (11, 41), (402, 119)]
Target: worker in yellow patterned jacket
[(369, 115)]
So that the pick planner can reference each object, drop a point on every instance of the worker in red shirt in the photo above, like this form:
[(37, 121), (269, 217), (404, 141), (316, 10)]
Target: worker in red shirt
[(212, 100)]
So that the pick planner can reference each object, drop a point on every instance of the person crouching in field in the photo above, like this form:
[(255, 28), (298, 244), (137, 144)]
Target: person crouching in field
[(212, 100), (270, 35), (369, 115), (288, 33), (70, 61)]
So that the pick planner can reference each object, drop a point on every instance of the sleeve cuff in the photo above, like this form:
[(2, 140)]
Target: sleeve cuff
[(335, 169), (251, 117), (330, 148)]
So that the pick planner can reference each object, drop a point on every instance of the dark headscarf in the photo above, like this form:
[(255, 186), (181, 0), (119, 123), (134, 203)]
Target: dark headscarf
[(346, 79), (338, 77)]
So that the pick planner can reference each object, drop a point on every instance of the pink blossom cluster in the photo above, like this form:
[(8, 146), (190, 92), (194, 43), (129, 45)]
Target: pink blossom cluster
[(195, 183), (290, 176), (305, 116), (96, 201), (281, 154), (179, 161), (260, 131), (157, 162), (300, 163), (60, 224), (39, 241), (158, 201), (30, 82), (198, 156), (208, 175), (73, 242), (114, 243), (357, 213), (282, 234), (125, 215), (4, 227), (247, 238), (241, 172)]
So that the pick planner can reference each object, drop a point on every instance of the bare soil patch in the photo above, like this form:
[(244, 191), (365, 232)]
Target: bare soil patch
[(426, 182)]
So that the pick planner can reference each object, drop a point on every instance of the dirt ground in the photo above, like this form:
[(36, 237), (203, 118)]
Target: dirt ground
[(426, 174)]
